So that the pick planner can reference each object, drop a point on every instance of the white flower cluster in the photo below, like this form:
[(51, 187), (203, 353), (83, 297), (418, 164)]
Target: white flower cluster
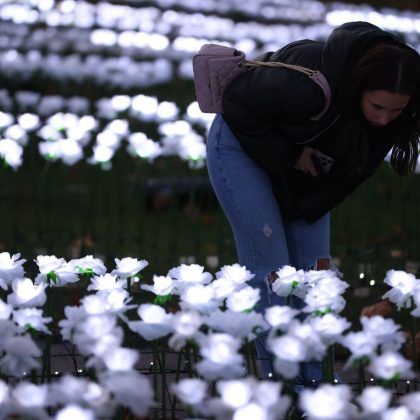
[(216, 315)]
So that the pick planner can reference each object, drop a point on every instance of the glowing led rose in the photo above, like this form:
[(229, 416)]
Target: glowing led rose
[(27, 294), (391, 366), (385, 331), (330, 327), (31, 319), (120, 359), (402, 287), (325, 295), (191, 391), (327, 402), (187, 275), (5, 310), (375, 399), (130, 389), (155, 323), (30, 399), (220, 357), (128, 267), (236, 273), (238, 324), (186, 325), (73, 411), (280, 316), (289, 282), (88, 265), (162, 285), (10, 268), (361, 345), (20, 357), (198, 297), (289, 352), (243, 299), (54, 271), (106, 282)]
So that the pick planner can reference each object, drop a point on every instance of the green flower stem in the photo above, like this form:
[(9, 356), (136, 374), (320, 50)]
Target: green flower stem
[(250, 359), (46, 359), (328, 366), (155, 376), (361, 377), (414, 347), (129, 285), (163, 378), (177, 376)]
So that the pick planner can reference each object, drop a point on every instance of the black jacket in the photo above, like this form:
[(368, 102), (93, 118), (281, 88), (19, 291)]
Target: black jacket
[(269, 110)]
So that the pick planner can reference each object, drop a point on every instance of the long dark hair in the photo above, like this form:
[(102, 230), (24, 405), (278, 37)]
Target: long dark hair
[(395, 69)]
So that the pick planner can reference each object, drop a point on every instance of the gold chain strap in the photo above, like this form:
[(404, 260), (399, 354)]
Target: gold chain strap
[(301, 69)]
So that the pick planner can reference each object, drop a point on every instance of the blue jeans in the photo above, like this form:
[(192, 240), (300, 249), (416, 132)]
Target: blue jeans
[(265, 241)]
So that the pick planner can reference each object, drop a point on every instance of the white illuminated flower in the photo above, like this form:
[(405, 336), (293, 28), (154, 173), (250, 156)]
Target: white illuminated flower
[(155, 323), (162, 285), (4, 399), (131, 389), (30, 399), (106, 282), (316, 348), (128, 267), (325, 295), (289, 352), (88, 265), (402, 287), (330, 327), (398, 413), (238, 324), (327, 402), (5, 310), (26, 294), (289, 282), (412, 402), (78, 390), (223, 287), (236, 393), (360, 344), (221, 358), (11, 152), (235, 272), (54, 271), (391, 366), (70, 151), (21, 356), (251, 411), (10, 268), (116, 300), (385, 331), (243, 299), (187, 275), (191, 391), (198, 297), (375, 399), (120, 359), (140, 145), (74, 315), (72, 411), (31, 318), (186, 325), (280, 316)]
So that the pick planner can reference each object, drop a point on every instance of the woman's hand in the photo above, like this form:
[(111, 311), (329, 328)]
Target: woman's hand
[(305, 163)]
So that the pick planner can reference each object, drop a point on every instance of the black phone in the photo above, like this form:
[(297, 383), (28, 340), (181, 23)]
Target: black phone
[(322, 162)]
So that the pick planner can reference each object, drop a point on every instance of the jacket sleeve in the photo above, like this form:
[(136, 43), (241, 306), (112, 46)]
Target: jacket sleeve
[(257, 103)]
